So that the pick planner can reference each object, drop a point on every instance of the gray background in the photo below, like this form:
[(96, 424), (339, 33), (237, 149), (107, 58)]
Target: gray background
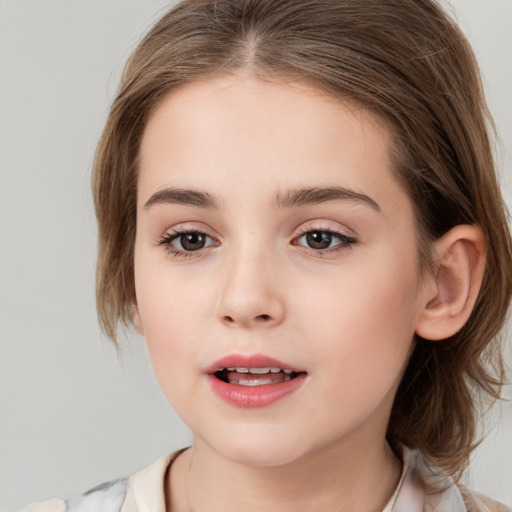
[(73, 413)]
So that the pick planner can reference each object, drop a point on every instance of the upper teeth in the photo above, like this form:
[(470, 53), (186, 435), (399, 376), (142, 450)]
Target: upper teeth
[(258, 371)]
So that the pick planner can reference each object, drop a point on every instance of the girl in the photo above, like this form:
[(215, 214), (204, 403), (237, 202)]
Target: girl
[(298, 210)]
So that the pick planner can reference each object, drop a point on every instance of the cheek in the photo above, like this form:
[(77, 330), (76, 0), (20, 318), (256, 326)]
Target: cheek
[(169, 302), (367, 314), (172, 316), (174, 336), (363, 336), (374, 292)]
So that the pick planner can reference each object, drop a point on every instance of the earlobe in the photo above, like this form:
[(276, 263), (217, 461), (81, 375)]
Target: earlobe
[(459, 260), (136, 319)]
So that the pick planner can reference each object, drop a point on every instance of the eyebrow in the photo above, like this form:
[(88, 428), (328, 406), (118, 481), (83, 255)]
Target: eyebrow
[(292, 198), (185, 196), (318, 195)]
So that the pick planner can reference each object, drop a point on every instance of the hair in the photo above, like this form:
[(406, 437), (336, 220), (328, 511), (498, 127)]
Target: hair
[(406, 62)]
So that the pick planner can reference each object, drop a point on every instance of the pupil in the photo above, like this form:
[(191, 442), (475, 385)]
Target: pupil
[(319, 239), (192, 241)]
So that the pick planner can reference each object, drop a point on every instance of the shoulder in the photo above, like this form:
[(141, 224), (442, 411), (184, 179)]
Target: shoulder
[(440, 492), (107, 497), (478, 502), (56, 505), (121, 495)]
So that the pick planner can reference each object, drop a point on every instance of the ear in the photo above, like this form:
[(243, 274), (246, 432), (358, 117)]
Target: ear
[(136, 320), (459, 260)]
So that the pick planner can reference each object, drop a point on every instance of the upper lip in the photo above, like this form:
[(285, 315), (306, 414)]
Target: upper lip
[(249, 361)]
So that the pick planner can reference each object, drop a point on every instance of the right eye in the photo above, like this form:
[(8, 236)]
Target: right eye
[(181, 243)]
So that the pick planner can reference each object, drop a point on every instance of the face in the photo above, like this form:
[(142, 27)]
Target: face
[(276, 270)]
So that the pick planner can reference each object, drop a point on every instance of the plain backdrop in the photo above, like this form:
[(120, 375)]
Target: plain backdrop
[(72, 412)]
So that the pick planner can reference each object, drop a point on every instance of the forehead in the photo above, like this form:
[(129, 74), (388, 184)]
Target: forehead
[(240, 135)]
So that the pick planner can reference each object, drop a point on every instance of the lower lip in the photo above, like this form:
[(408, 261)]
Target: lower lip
[(251, 397)]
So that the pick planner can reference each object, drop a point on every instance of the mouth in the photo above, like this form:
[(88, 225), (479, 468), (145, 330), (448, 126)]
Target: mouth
[(264, 376), (253, 381)]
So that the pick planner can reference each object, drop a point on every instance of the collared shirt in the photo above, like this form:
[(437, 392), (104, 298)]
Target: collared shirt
[(420, 489)]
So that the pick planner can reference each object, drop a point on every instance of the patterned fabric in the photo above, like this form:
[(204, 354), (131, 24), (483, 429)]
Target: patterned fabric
[(410, 495), (109, 496), (420, 489)]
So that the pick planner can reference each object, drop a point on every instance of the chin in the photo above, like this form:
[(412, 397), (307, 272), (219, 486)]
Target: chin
[(261, 456), (258, 449)]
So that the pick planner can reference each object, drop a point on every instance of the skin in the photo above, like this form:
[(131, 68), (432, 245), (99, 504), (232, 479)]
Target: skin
[(346, 316)]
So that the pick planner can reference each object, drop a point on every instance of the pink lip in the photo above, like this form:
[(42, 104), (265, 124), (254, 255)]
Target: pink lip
[(252, 396)]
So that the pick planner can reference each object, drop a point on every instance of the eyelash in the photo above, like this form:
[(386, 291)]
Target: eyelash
[(168, 238), (346, 241), (166, 241)]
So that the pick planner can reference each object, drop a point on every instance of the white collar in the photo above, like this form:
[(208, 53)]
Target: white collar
[(423, 489)]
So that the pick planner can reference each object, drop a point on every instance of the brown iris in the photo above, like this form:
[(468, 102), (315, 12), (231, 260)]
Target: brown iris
[(192, 241), (319, 239)]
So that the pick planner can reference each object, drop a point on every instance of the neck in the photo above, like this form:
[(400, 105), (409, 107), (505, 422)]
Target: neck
[(349, 477)]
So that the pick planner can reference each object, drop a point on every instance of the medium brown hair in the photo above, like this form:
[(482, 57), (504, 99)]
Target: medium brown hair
[(408, 63)]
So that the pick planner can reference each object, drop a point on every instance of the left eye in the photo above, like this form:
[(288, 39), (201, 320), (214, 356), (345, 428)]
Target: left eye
[(324, 239)]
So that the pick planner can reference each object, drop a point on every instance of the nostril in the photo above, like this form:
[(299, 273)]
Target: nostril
[(247, 320)]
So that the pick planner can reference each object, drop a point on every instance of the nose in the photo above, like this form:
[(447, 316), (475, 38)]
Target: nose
[(251, 294)]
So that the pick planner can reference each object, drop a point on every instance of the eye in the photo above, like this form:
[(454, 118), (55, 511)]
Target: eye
[(183, 242), (325, 240)]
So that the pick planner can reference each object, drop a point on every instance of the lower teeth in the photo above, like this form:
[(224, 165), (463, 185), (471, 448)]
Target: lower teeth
[(258, 382)]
